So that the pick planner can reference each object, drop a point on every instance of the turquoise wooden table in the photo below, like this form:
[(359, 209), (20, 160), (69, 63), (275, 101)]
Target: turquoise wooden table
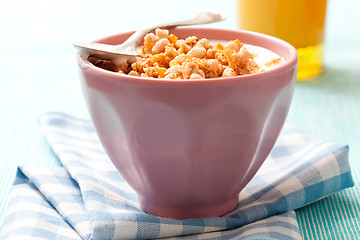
[(38, 74)]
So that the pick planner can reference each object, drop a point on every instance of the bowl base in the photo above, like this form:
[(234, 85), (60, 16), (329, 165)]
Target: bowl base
[(183, 212)]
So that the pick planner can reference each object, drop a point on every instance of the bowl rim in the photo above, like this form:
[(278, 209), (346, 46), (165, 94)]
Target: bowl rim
[(289, 63)]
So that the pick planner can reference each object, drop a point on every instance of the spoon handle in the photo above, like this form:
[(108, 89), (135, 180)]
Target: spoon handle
[(205, 17)]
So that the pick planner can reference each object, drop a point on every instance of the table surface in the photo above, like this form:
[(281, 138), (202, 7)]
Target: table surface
[(38, 74)]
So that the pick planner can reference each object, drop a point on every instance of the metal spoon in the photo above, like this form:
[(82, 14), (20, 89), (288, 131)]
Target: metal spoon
[(126, 52)]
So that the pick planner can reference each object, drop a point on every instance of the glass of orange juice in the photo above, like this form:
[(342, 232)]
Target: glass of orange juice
[(299, 22)]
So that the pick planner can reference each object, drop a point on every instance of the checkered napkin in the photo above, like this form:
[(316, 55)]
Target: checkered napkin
[(88, 199)]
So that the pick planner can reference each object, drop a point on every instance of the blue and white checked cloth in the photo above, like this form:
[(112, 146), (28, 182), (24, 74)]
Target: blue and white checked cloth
[(88, 199)]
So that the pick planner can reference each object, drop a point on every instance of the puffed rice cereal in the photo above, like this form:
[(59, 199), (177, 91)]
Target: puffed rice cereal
[(163, 55)]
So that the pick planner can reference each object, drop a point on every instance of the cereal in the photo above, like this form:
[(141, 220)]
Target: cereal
[(160, 45), (163, 55), (228, 72), (197, 51)]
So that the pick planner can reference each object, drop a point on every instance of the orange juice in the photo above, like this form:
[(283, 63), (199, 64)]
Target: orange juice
[(299, 22)]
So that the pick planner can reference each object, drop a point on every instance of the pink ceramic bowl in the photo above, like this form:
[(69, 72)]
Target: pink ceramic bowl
[(189, 147)]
